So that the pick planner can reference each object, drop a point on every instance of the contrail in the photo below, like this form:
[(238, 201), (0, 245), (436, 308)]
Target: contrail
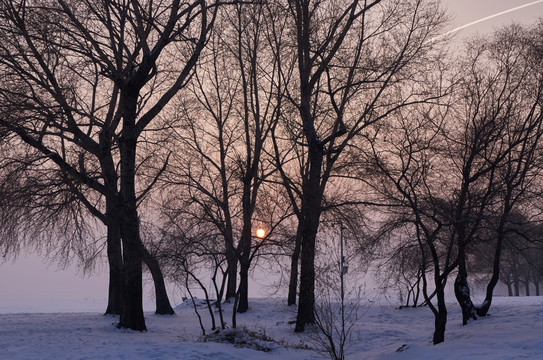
[(488, 18)]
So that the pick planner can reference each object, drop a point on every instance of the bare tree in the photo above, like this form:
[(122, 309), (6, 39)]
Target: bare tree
[(410, 178), (235, 102), (496, 149), (348, 56), (117, 53), (522, 165)]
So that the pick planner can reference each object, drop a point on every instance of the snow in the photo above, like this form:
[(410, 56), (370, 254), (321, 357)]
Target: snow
[(514, 330)]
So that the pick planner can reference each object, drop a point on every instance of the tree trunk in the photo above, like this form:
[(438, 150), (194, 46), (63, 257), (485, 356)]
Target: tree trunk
[(440, 313), (527, 283), (485, 306), (232, 271), (115, 262), (244, 264), (462, 293), (461, 290), (311, 211), (306, 302), (243, 298), (132, 315), (293, 284), (113, 223), (163, 306), (440, 322)]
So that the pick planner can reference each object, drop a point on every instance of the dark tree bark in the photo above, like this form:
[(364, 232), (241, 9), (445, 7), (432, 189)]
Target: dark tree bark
[(245, 255), (111, 217), (440, 320), (132, 314), (243, 301), (226, 226), (294, 261), (115, 261), (163, 306), (311, 210), (440, 279), (462, 291), (232, 272), (306, 303), (482, 310)]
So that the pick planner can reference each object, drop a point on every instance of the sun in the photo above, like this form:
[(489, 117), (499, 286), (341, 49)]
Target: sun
[(260, 233)]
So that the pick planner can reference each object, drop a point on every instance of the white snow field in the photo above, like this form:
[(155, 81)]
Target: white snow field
[(514, 330)]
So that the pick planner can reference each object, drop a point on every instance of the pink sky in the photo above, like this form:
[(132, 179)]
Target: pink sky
[(467, 11)]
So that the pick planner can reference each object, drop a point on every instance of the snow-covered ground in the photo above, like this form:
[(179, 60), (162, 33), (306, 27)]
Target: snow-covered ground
[(514, 330)]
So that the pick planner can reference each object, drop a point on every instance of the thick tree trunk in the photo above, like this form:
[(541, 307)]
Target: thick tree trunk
[(232, 272), (112, 222), (294, 260), (306, 302), (440, 323), (163, 306), (461, 289), (115, 262), (114, 300), (462, 293), (482, 310), (439, 327), (417, 290), (248, 203), (245, 263), (132, 315), (311, 211), (243, 300)]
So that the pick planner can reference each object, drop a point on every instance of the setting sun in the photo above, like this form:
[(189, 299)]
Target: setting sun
[(260, 233)]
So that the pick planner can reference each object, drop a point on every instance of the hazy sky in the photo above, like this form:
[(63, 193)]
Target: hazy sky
[(468, 11), (30, 277)]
